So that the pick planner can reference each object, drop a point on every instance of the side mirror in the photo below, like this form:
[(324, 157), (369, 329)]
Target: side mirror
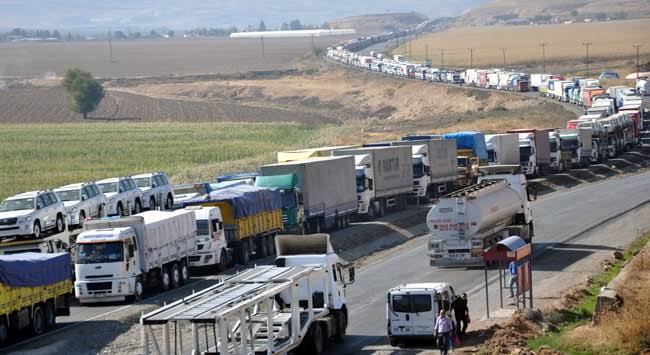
[(350, 275), (131, 251), (39, 206), (532, 193)]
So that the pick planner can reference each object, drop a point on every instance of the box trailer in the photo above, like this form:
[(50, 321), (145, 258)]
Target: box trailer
[(435, 165), (534, 150), (503, 149)]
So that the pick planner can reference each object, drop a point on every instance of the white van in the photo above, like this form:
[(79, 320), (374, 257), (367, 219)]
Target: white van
[(411, 310)]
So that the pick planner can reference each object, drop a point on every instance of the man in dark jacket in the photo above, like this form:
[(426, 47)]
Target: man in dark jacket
[(462, 314)]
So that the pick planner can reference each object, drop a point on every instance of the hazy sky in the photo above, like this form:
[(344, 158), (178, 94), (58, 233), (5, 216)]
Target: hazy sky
[(145, 14)]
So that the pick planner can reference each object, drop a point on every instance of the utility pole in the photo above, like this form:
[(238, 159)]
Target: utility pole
[(638, 66), (263, 51), (471, 57), (587, 45), (110, 46), (503, 50), (543, 45), (411, 49), (442, 58), (426, 51)]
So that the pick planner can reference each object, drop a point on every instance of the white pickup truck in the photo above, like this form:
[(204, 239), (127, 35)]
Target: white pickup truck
[(122, 194), (156, 190), (31, 213), (81, 201)]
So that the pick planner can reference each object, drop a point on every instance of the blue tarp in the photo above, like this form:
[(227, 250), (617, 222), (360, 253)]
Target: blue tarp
[(470, 140), (246, 200), (34, 269)]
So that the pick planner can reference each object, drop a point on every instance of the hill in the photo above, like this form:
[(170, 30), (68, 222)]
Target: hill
[(553, 11), (375, 23)]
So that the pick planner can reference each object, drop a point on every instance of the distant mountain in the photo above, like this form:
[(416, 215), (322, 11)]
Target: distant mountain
[(375, 23), (544, 11), (99, 15)]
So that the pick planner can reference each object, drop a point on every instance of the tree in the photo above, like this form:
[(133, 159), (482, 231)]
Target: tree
[(84, 92), (170, 33), (119, 35), (153, 33), (295, 25), (284, 26), (56, 34), (262, 26)]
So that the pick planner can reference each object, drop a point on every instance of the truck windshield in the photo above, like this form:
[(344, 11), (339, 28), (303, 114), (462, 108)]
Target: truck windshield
[(288, 199), (524, 153), (418, 168), (17, 205), (143, 182), (553, 146), (492, 156), (361, 180), (96, 253), (68, 195), (569, 143), (462, 162), (108, 187), (411, 303), (202, 227)]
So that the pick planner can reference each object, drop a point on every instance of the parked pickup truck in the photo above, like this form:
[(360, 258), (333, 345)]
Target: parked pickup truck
[(35, 288), (123, 196), (81, 201), (156, 189), (31, 213)]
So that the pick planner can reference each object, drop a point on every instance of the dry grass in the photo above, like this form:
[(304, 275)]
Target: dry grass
[(610, 39)]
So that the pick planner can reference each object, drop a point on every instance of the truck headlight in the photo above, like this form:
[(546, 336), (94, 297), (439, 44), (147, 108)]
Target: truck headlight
[(24, 219)]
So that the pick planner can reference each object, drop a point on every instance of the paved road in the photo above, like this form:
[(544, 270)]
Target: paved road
[(558, 218)]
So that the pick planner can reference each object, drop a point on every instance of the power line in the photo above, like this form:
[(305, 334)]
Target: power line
[(587, 45), (543, 45)]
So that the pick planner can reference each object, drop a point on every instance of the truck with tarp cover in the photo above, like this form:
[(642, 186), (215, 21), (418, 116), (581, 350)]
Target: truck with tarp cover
[(252, 216), (34, 289), (472, 153), (322, 191)]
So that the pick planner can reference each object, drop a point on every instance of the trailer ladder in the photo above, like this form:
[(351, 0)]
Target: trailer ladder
[(256, 311)]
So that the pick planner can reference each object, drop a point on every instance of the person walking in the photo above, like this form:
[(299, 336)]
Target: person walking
[(461, 311), (443, 329), (512, 269)]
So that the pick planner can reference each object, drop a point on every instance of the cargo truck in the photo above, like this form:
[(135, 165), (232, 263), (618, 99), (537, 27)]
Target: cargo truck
[(211, 246), (116, 258), (578, 142), (470, 220), (502, 149), (384, 178), (302, 154), (251, 218), (297, 305), (35, 288), (435, 165), (534, 153), (318, 193), (560, 160)]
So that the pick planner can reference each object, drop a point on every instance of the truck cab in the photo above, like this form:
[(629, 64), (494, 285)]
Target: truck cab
[(365, 179), (569, 141), (411, 310), (292, 210), (211, 245), (421, 170), (527, 154)]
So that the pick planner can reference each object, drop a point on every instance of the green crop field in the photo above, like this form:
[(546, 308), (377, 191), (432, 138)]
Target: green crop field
[(48, 155)]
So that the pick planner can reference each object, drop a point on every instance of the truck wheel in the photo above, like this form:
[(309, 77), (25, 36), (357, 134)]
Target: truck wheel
[(185, 272), (392, 341), (244, 254), (50, 315), (176, 276), (223, 261), (270, 242), (262, 248), (4, 331), (60, 225), (314, 341), (341, 325), (152, 203), (165, 279), (38, 320), (138, 290), (169, 202)]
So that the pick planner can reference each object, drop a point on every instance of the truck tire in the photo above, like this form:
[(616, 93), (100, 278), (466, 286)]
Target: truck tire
[(341, 325), (223, 261), (60, 224), (165, 279), (138, 291), (176, 275), (152, 203), (169, 202), (4, 331), (244, 254), (37, 230), (314, 341), (185, 272), (50, 315), (270, 242), (261, 248), (38, 320)]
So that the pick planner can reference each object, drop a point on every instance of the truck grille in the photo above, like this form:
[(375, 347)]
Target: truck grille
[(98, 276), (8, 221), (97, 286)]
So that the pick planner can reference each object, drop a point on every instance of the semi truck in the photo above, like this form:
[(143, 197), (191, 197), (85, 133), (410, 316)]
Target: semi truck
[(502, 149), (116, 258), (534, 150), (560, 159), (318, 193), (384, 178), (298, 304), (211, 246), (470, 220), (302, 154), (578, 142), (435, 165), (35, 288), (251, 218)]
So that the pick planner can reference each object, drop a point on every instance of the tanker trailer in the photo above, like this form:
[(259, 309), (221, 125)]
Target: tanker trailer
[(466, 222)]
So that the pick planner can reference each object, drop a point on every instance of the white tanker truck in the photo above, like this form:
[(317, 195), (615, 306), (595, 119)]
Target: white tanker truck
[(466, 222)]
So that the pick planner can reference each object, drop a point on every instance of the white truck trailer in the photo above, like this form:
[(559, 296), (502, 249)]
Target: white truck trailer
[(534, 151), (466, 222), (384, 177), (298, 304), (578, 142), (117, 258), (503, 149), (211, 245), (435, 165)]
